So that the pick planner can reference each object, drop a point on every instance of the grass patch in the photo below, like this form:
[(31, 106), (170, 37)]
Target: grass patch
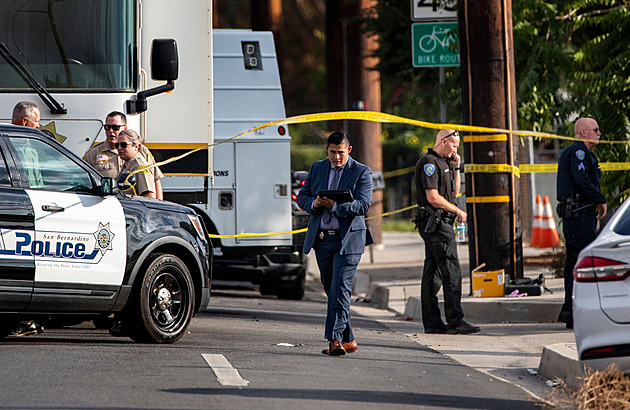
[(399, 225)]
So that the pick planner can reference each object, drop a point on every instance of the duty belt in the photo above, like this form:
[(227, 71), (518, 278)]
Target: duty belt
[(447, 216)]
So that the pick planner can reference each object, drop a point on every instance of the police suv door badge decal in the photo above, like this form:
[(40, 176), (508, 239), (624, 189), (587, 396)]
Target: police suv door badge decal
[(429, 169), (580, 154), (103, 238)]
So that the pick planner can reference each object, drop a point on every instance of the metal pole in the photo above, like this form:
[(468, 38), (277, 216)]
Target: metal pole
[(532, 176), (442, 104)]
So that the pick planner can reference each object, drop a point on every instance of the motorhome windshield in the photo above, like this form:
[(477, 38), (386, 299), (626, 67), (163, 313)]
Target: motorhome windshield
[(69, 45)]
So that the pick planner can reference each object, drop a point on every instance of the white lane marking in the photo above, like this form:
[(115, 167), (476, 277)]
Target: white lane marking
[(226, 374)]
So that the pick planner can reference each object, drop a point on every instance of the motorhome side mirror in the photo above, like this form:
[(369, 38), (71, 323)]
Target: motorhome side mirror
[(164, 67), (164, 60), (123, 183)]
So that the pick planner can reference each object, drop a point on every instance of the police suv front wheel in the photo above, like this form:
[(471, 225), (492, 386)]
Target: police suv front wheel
[(163, 301)]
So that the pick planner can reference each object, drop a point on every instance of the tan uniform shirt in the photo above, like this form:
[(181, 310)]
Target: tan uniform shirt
[(104, 159), (107, 162), (145, 181)]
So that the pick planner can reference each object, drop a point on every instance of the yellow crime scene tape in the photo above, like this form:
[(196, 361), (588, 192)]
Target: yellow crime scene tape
[(398, 172), (492, 169), (485, 138), (252, 235), (492, 135), (487, 199), (244, 235), (521, 169)]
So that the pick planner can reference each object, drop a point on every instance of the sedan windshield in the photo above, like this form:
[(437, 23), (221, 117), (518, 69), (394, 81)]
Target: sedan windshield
[(69, 44)]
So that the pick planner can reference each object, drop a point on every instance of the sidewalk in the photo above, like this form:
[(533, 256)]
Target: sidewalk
[(517, 333)]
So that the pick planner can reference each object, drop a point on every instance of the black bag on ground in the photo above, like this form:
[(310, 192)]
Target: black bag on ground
[(533, 287)]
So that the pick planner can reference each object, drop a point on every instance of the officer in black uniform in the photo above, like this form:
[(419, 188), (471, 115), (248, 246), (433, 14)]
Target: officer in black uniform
[(437, 187), (580, 202)]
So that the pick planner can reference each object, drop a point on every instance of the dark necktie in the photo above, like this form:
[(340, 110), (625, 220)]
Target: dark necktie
[(327, 216), (335, 180)]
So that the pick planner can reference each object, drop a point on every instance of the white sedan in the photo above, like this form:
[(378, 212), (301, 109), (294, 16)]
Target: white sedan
[(601, 296)]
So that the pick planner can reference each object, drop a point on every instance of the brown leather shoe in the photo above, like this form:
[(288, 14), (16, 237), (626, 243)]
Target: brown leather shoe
[(349, 347), (335, 348)]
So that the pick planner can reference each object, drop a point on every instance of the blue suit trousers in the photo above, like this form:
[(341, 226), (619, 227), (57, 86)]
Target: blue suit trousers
[(337, 272)]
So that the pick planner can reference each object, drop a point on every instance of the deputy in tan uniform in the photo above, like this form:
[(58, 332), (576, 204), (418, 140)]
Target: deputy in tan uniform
[(104, 156), (128, 147)]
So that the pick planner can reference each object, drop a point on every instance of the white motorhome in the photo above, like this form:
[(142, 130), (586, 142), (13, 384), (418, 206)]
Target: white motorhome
[(90, 58)]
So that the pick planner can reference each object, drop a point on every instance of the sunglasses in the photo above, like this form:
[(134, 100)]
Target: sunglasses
[(123, 144), (595, 130), (454, 133), (112, 127)]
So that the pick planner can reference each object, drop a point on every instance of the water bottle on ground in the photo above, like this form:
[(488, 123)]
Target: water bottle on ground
[(461, 232)]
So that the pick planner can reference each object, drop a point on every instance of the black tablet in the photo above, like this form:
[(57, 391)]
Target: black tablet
[(337, 195)]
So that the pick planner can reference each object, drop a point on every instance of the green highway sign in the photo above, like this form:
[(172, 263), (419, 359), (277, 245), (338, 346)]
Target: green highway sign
[(431, 44)]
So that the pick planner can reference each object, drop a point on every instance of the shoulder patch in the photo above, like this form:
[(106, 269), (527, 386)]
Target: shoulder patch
[(580, 154), (429, 169)]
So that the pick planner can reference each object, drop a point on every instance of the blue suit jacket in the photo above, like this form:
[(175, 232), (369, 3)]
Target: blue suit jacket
[(351, 215)]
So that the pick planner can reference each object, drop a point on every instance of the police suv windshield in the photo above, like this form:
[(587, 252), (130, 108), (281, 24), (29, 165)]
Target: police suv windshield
[(69, 44)]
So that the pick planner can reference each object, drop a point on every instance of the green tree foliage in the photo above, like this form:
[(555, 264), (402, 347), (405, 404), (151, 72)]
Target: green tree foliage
[(572, 60), (602, 80), (543, 64)]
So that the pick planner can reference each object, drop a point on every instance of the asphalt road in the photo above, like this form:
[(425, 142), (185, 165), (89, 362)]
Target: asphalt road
[(272, 348)]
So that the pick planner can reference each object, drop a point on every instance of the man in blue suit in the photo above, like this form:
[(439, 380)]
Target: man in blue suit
[(337, 232)]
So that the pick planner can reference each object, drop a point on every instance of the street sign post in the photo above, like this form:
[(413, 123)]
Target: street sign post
[(431, 44), (424, 10)]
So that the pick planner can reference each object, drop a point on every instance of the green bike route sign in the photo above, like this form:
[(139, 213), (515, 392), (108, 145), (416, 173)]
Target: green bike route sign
[(431, 44)]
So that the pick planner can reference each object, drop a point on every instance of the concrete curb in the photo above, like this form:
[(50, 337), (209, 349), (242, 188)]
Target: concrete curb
[(393, 295), (496, 310), (560, 361), (360, 283), (397, 297)]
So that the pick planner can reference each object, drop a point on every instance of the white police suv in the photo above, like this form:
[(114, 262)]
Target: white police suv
[(72, 245)]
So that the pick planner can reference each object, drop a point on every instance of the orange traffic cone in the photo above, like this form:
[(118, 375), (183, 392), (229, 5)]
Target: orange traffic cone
[(536, 226), (548, 233)]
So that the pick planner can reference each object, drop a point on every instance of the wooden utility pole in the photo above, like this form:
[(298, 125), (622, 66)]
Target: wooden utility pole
[(489, 100), (266, 15), (354, 85)]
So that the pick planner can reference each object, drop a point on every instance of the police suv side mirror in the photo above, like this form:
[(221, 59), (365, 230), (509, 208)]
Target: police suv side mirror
[(164, 67), (107, 187), (123, 183)]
